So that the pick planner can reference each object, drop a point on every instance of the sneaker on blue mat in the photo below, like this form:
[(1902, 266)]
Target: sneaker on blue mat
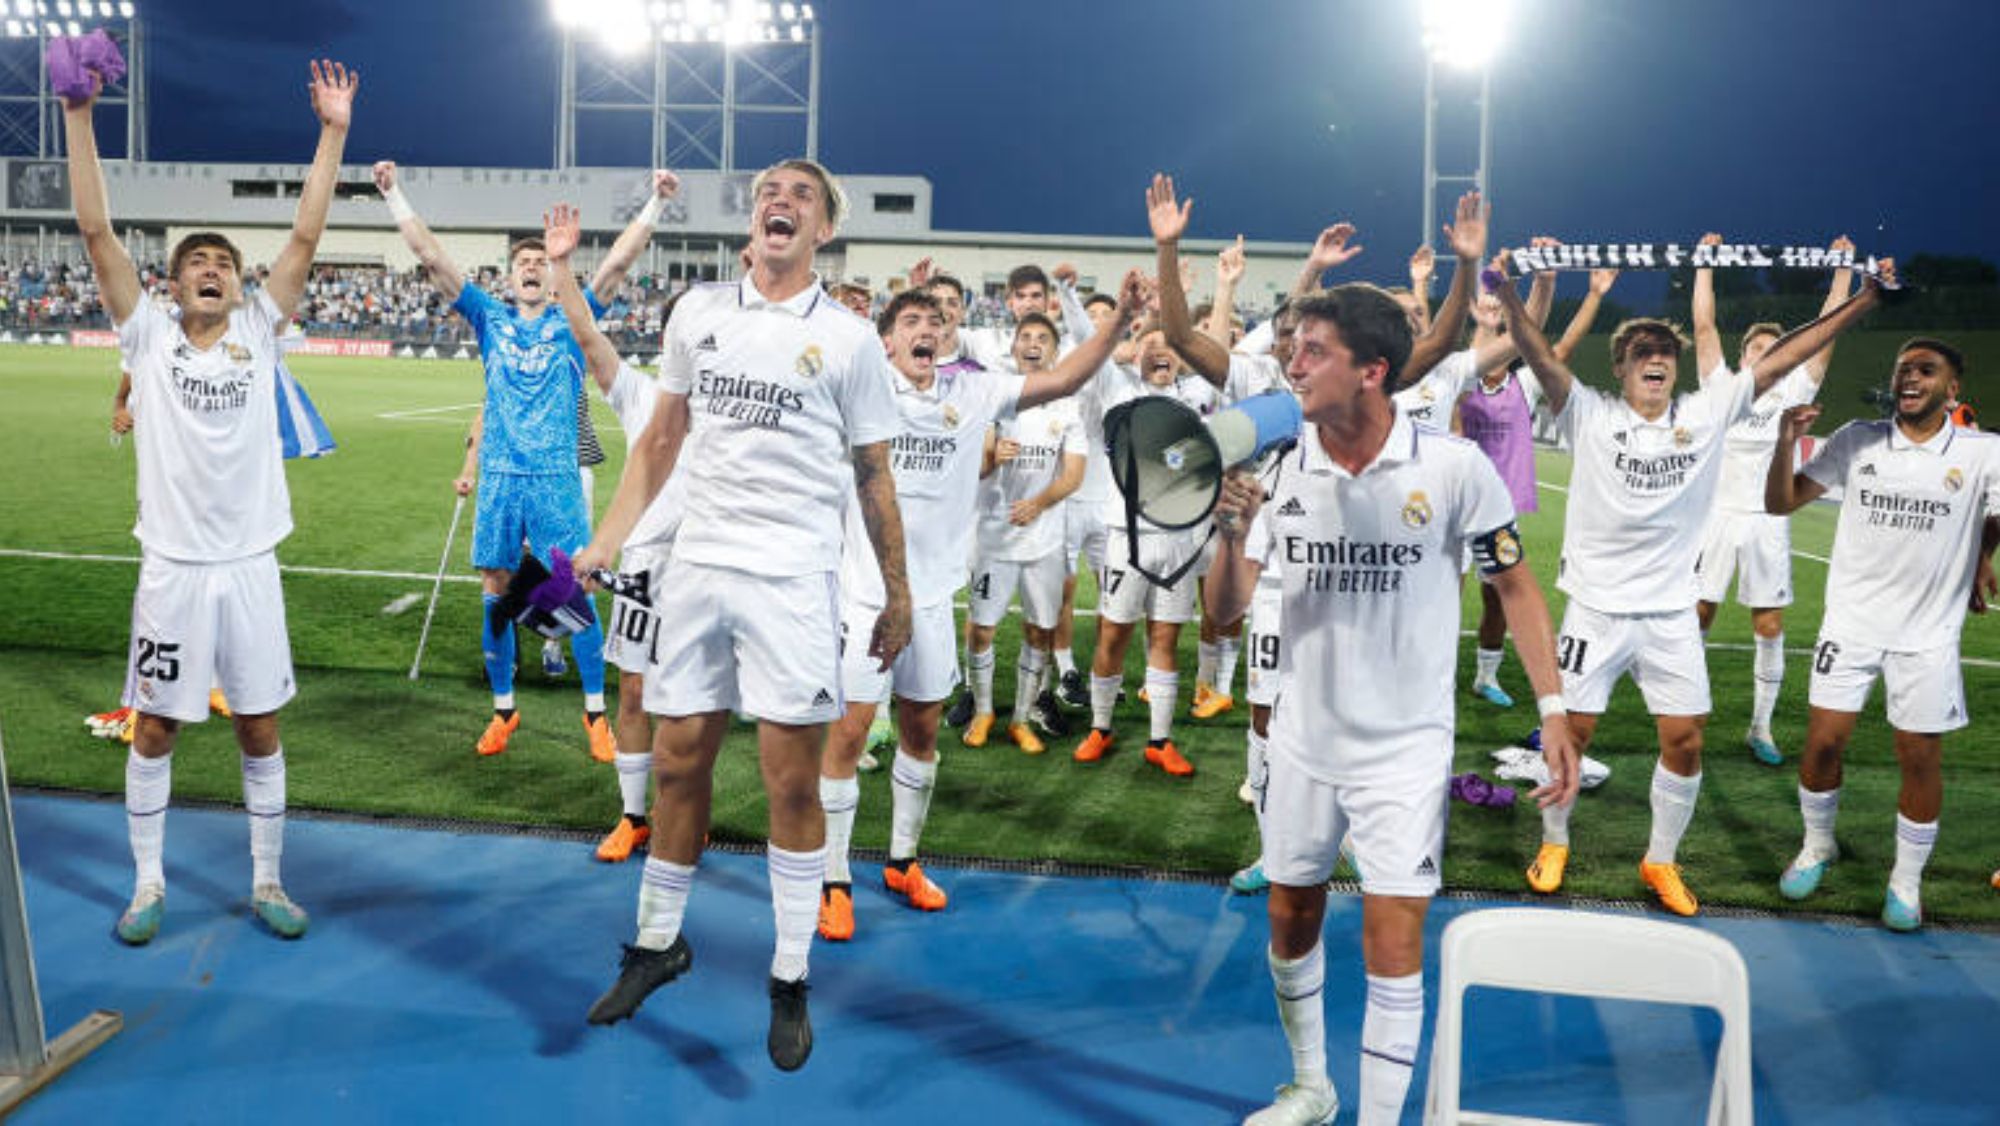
[(1899, 915), (1250, 881), (276, 910), (141, 920)]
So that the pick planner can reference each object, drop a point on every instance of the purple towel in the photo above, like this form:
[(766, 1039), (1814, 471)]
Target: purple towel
[(74, 61), (1474, 790)]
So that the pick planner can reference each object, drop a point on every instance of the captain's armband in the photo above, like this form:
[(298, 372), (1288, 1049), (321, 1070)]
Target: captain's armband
[(1498, 550)]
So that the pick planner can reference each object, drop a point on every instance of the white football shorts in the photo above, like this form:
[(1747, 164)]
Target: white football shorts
[(633, 641), (764, 646), (202, 625), (1663, 652), (1926, 690), (1396, 824), (1753, 548), (1040, 582), (1125, 596), (924, 672)]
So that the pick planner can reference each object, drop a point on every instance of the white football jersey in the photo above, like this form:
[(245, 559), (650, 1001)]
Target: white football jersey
[(1428, 401), (1049, 435), (1369, 564), (1115, 384), (1746, 452), (1640, 494), (778, 392), (1906, 548), (211, 467), (632, 398), (935, 458)]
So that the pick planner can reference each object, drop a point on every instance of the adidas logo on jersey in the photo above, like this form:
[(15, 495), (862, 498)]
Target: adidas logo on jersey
[(1427, 868), (1618, 437), (822, 698), (1292, 507), (707, 344), (1867, 470)]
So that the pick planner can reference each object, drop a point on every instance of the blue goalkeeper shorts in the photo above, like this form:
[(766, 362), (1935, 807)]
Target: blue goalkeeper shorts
[(541, 512)]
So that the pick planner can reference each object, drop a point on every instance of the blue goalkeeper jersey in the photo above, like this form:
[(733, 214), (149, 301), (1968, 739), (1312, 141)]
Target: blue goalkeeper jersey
[(534, 384)]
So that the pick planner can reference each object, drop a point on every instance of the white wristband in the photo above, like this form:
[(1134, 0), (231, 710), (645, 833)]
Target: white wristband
[(399, 207), (650, 214), (1549, 705)]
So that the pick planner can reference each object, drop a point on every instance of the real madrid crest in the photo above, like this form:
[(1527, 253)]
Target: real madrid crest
[(950, 414), (1417, 510), (237, 352), (810, 362), (1954, 480), (1682, 438), (1427, 393), (1055, 428), (1506, 547)]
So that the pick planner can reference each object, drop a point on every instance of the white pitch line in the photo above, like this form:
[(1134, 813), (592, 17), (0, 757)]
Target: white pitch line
[(417, 414), (294, 568)]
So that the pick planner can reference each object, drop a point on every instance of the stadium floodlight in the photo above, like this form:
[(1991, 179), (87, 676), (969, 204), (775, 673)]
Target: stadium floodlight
[(1464, 33), (75, 29), (125, 9), (13, 29), (62, 8)]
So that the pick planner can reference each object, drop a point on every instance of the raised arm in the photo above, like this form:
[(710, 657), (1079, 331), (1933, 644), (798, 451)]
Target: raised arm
[(1077, 325), (1074, 370), (562, 230), (1169, 219), (1786, 491), (1423, 266), (1330, 249), (633, 239), (121, 404), (333, 89), (1800, 344), (1554, 375), (1586, 313), (117, 278), (1467, 236), (1836, 293), (1229, 269), (444, 273), (1707, 339), (876, 487)]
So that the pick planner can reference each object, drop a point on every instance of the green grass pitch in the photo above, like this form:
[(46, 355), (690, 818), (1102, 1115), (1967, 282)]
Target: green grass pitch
[(362, 737)]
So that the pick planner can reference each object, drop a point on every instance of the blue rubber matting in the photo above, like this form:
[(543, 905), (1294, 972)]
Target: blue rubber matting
[(447, 974)]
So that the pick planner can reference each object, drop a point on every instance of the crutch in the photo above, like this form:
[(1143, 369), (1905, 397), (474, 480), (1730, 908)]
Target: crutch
[(444, 560)]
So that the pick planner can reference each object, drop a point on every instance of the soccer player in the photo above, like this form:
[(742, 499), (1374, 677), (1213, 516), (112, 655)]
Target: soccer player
[(1919, 519), (1642, 483), (529, 488), (1497, 415), (633, 645), (1742, 541), (935, 461), (1035, 462), (213, 504), (1367, 521), (769, 387), (1027, 292)]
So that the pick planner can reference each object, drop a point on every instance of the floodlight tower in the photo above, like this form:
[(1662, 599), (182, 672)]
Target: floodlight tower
[(1461, 37), (31, 114), (700, 70)]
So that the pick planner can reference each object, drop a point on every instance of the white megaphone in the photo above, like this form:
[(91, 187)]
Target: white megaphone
[(1168, 461)]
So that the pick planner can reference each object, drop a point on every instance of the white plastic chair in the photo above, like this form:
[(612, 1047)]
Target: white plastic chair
[(1585, 954)]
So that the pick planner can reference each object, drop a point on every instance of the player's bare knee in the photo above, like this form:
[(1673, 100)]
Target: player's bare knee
[(153, 736), (256, 734)]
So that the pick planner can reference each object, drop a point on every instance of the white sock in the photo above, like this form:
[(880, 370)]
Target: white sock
[(839, 797), (1913, 850), (1555, 824), (264, 798), (1225, 665), (795, 882), (593, 701), (1258, 770), (1673, 808), (635, 774), (503, 701), (1301, 987), (1819, 811), (1488, 665), (1204, 664), (1027, 680), (1103, 699), (1162, 685), (1048, 680), (982, 682), (663, 897), (1768, 671), (148, 782), (1065, 662), (1391, 1031), (911, 783)]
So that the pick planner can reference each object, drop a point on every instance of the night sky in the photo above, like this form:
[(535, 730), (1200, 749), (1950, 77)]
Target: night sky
[(1771, 121)]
